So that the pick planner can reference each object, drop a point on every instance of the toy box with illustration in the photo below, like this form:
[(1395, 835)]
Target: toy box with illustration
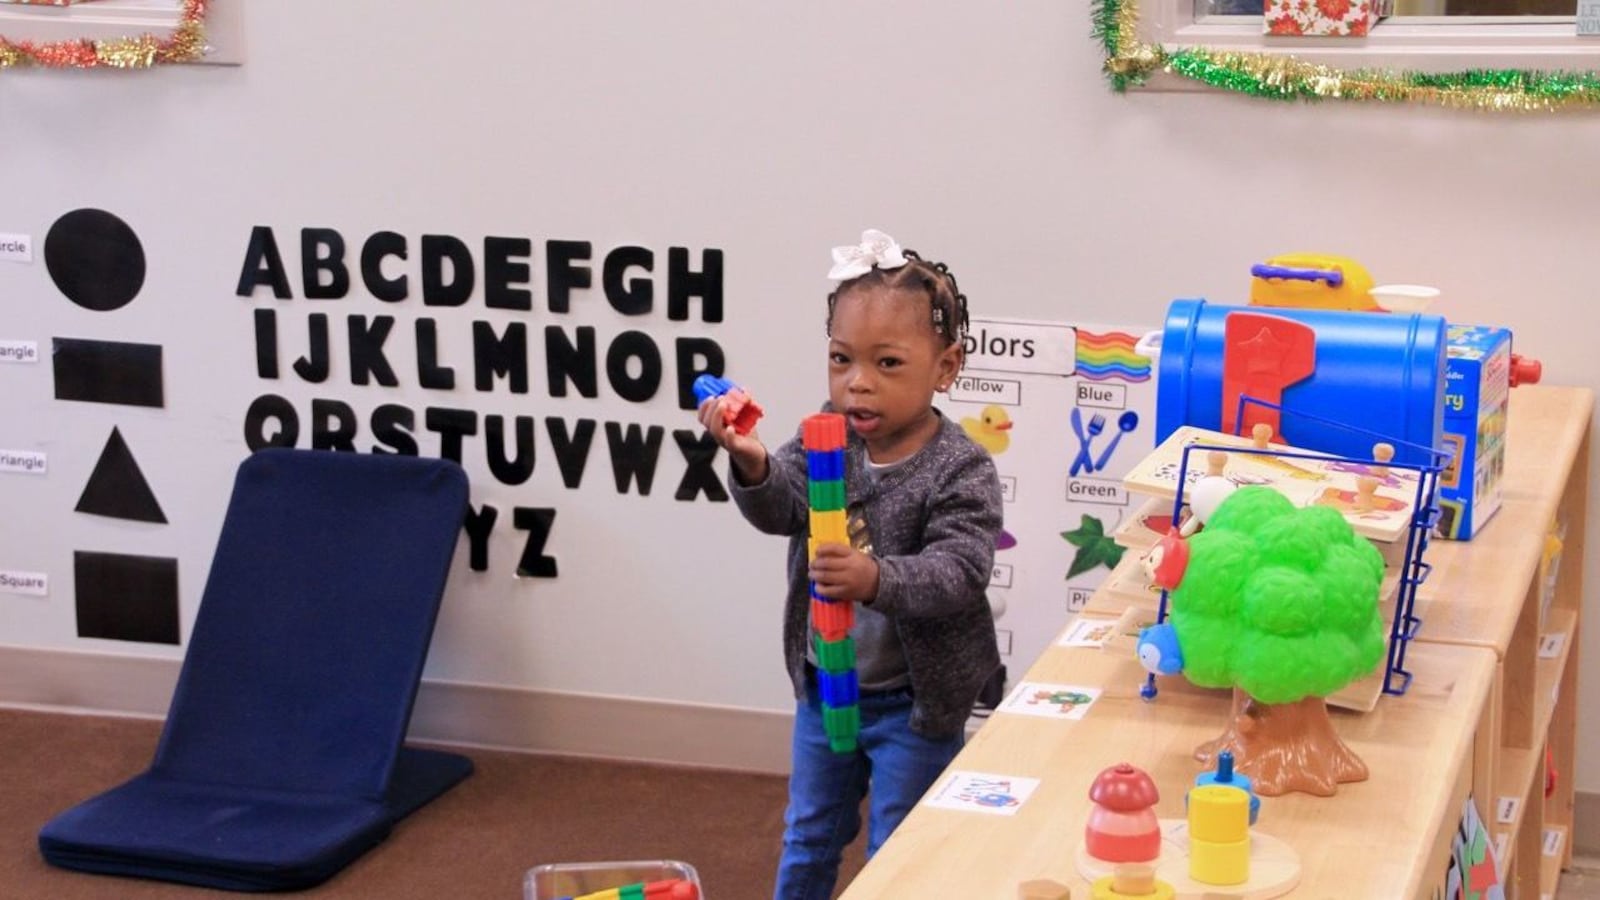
[(1477, 387), (1323, 18)]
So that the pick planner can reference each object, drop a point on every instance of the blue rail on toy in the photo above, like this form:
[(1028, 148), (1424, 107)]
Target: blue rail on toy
[(1425, 515), (1333, 277)]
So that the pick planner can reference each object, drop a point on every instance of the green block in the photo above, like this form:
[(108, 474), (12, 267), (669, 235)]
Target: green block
[(826, 495), (835, 656), (842, 725), (631, 892)]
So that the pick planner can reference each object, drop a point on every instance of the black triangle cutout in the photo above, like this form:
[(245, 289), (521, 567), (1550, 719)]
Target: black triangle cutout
[(117, 488)]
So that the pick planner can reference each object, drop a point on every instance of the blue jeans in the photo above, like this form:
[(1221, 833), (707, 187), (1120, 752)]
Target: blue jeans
[(825, 788)]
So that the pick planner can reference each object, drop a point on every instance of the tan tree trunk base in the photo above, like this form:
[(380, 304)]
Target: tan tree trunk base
[(1286, 747)]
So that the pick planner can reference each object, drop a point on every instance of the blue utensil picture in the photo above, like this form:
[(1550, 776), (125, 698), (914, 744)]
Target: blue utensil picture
[(1084, 461), (1126, 422)]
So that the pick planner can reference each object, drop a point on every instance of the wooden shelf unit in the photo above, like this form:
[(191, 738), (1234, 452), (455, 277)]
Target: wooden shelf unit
[(1491, 592)]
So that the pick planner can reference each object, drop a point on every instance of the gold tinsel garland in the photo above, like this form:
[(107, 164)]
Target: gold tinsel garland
[(1284, 77), (187, 43)]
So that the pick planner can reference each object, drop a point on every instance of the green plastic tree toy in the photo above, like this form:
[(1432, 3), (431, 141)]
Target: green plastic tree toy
[(1279, 603)]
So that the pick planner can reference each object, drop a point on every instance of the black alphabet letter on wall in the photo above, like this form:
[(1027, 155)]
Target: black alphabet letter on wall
[(314, 262), (536, 522), (699, 451), (263, 265)]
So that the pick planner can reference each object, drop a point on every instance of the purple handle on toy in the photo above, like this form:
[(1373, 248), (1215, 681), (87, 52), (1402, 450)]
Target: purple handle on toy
[(1333, 277)]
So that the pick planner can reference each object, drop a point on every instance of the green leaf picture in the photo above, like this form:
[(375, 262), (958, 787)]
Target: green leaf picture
[(1095, 547)]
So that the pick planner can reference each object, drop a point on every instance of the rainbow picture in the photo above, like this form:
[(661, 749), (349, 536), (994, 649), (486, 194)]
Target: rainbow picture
[(1110, 356)]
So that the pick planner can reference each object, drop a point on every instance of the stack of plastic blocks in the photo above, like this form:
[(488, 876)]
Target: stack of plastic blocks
[(823, 436), (1219, 835)]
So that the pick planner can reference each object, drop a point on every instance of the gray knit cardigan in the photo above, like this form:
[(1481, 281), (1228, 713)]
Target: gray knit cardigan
[(933, 522)]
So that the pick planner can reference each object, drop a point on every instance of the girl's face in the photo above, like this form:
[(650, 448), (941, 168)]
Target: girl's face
[(885, 361)]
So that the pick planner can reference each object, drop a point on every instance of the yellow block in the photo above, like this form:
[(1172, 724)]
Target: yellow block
[(1218, 862), (830, 526), (1220, 813)]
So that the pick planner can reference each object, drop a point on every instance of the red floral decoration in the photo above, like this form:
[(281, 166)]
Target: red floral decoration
[(1334, 9)]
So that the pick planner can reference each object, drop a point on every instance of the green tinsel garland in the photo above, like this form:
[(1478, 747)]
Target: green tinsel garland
[(1283, 77), (1109, 32)]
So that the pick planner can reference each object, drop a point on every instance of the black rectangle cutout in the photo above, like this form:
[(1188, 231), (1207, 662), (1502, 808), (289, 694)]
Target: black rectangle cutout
[(108, 372), (126, 598)]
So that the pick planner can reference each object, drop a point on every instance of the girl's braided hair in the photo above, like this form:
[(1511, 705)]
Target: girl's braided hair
[(948, 304)]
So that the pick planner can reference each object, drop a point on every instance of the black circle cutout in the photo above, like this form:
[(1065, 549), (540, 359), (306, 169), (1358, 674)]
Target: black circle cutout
[(95, 259)]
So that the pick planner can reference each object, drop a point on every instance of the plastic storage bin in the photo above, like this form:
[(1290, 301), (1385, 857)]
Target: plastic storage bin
[(1383, 372), (556, 880)]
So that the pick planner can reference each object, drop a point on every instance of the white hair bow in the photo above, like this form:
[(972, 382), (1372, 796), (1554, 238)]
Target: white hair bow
[(875, 250)]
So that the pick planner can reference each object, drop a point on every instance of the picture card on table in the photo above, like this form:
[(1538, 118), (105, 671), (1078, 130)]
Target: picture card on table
[(1088, 632), (998, 795), (1053, 701)]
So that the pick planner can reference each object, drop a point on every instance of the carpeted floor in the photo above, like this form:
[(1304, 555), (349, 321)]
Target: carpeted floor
[(1581, 882), (477, 841)]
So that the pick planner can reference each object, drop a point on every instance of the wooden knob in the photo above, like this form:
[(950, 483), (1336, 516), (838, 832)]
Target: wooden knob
[(1366, 487), (1260, 435), (1216, 461), (1134, 879), (1043, 889), (1383, 453)]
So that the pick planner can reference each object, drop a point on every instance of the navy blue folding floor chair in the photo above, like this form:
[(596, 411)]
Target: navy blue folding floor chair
[(282, 757)]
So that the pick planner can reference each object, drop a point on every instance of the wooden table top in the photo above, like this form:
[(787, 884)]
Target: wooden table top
[(1372, 839)]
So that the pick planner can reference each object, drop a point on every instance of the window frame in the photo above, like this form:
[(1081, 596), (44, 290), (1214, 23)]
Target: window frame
[(1434, 44), (110, 20)]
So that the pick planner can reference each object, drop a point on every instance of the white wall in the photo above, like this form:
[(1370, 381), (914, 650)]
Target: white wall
[(980, 133)]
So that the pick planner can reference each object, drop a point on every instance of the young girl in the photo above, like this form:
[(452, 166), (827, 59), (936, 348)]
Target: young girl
[(924, 513)]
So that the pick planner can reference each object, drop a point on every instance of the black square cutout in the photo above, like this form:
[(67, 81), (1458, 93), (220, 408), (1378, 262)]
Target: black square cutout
[(127, 598)]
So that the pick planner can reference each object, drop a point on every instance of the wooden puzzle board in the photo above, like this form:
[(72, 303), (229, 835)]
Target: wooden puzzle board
[(1148, 523), (1140, 531), (1305, 482), (1127, 586)]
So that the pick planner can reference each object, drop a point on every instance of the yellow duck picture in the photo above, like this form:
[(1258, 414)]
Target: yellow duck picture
[(991, 429)]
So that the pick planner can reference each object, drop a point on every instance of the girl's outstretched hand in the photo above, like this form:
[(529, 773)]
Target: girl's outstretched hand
[(748, 454), (841, 572)]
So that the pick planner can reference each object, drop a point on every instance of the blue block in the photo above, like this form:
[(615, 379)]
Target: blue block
[(838, 689), (708, 386), (825, 465)]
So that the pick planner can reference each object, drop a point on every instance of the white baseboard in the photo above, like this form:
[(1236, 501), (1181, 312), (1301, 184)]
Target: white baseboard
[(468, 715)]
